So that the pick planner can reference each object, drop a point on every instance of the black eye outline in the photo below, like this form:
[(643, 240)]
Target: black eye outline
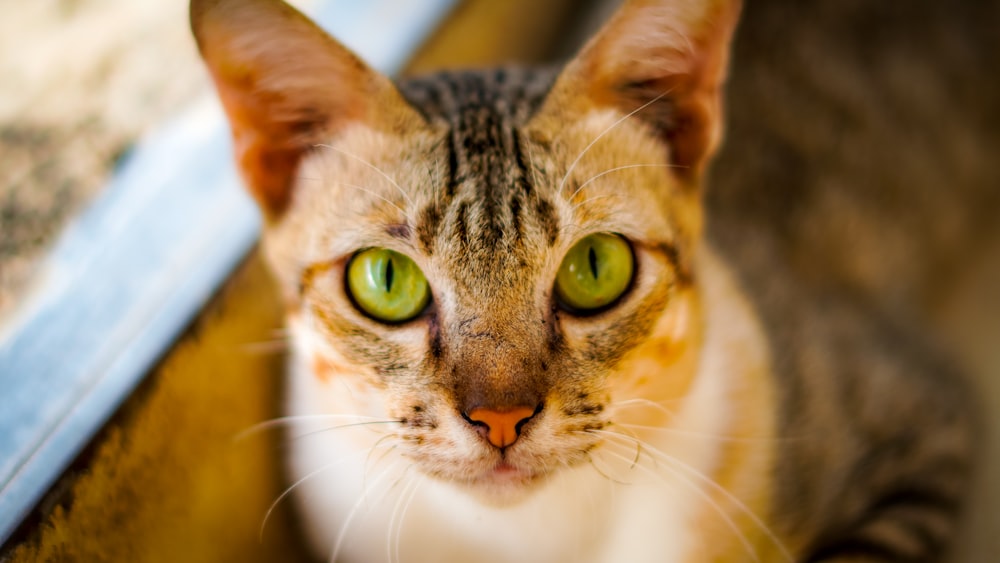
[(584, 312), (391, 272)]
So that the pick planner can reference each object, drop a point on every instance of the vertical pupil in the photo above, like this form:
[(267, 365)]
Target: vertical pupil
[(388, 277), (592, 257)]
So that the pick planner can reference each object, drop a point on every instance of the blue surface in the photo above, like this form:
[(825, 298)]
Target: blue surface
[(134, 270)]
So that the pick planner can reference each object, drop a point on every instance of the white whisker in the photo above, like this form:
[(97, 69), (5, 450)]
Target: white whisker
[(292, 487), (588, 200), (661, 405), (708, 499), (616, 169), (572, 166), (283, 420), (570, 229), (740, 505), (373, 167), (342, 426), (697, 434), (368, 460), (603, 473), (390, 202), (408, 493), (354, 511)]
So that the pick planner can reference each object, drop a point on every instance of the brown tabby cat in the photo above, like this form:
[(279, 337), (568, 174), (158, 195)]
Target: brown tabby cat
[(513, 341)]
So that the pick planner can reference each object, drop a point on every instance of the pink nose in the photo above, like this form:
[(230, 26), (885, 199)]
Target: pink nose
[(502, 426)]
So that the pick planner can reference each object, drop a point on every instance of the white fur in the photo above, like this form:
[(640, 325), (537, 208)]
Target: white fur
[(580, 514)]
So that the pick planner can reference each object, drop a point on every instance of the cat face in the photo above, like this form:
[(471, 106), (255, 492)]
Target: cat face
[(485, 185), (494, 334)]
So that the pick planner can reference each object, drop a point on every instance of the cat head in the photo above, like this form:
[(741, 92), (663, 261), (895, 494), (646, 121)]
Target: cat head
[(499, 260)]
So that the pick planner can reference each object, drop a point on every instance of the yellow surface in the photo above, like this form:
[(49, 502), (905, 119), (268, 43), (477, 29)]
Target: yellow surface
[(489, 32), (169, 479)]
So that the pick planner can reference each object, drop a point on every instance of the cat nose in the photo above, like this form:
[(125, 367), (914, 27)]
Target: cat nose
[(501, 427)]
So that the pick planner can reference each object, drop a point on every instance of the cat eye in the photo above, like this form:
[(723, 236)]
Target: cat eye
[(595, 272), (387, 285)]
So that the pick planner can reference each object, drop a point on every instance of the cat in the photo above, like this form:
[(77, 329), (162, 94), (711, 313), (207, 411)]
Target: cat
[(513, 340)]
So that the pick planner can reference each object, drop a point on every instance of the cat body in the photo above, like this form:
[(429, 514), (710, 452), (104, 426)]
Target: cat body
[(504, 410)]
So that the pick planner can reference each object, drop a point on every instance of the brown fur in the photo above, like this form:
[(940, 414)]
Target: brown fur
[(486, 179)]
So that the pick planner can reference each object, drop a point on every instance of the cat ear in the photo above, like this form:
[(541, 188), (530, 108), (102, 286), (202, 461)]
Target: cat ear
[(286, 86), (666, 61)]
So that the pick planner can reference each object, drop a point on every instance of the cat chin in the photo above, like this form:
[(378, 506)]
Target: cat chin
[(502, 494), (501, 487)]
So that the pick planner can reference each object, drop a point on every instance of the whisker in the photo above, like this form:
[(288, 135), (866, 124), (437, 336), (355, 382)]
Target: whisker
[(373, 167), (364, 189), (572, 166), (661, 405), (368, 459), (282, 420), (392, 521), (637, 441), (609, 216), (711, 502), (354, 512), (588, 200), (408, 482), (707, 435), (341, 426), (409, 493), (292, 487), (617, 168), (567, 228), (740, 505), (593, 463)]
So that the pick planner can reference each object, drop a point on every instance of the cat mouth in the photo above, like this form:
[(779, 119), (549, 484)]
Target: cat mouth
[(506, 475), (504, 470)]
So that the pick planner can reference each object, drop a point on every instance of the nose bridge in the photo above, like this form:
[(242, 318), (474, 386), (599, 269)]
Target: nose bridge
[(504, 320), (497, 364)]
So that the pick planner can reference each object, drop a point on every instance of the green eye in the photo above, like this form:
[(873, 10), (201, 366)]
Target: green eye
[(595, 272), (387, 285)]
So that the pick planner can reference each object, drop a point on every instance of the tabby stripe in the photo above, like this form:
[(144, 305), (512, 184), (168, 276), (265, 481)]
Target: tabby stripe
[(522, 168), (909, 526), (309, 273), (546, 213), (427, 227), (436, 348), (452, 181), (673, 256), (515, 214), (461, 227), (855, 549)]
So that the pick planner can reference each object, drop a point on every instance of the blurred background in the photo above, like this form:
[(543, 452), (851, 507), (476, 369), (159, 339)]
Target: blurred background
[(853, 125), (80, 82)]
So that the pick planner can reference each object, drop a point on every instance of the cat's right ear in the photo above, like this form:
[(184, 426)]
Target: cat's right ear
[(663, 61), (286, 86)]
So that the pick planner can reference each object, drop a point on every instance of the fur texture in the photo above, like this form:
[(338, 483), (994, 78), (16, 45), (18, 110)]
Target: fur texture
[(693, 420)]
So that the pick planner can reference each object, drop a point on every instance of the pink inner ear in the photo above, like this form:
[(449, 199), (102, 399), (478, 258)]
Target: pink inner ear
[(269, 172), (674, 50), (285, 85), (273, 124), (276, 118)]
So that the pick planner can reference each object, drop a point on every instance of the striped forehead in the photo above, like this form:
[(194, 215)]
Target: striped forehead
[(488, 203)]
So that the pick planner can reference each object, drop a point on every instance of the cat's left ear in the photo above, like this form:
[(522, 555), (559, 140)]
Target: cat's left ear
[(665, 60), (286, 86)]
